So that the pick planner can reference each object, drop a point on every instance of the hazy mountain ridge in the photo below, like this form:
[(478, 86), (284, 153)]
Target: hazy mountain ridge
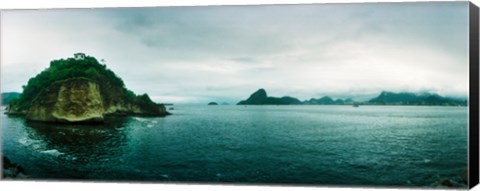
[(260, 97), (327, 100), (9, 96), (407, 98), (385, 98)]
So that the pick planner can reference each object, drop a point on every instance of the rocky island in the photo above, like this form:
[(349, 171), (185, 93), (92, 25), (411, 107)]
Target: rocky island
[(79, 90)]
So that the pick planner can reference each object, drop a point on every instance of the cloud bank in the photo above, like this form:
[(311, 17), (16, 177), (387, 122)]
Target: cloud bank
[(224, 53)]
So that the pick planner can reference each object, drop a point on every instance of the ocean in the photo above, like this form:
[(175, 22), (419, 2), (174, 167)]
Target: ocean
[(399, 146)]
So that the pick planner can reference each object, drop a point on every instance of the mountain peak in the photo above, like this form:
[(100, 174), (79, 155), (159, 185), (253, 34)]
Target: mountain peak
[(260, 98), (257, 98), (261, 92)]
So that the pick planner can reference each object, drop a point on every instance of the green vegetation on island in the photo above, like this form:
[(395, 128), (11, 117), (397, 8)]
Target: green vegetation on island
[(80, 90)]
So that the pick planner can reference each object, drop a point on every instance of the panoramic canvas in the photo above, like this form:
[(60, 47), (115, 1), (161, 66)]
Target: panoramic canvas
[(372, 94)]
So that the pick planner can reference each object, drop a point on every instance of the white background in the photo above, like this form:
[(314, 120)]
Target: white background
[(73, 186)]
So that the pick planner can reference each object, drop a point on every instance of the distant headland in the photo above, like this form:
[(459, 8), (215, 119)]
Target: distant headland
[(77, 90), (260, 97)]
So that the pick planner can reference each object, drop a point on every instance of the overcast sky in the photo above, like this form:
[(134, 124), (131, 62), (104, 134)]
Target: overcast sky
[(225, 53)]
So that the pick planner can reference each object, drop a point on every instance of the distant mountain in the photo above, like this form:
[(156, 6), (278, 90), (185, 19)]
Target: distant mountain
[(260, 98), (213, 103), (8, 96), (286, 100), (406, 98), (385, 98), (326, 100), (257, 98), (347, 101)]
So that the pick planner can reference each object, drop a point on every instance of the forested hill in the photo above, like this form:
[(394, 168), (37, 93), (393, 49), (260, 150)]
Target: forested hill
[(114, 97), (69, 68)]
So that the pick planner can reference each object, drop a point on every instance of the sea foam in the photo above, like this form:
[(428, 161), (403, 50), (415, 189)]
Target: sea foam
[(53, 152)]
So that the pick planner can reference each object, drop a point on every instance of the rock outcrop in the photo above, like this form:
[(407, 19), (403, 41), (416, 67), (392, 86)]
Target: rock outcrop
[(81, 100), (72, 100), (12, 170)]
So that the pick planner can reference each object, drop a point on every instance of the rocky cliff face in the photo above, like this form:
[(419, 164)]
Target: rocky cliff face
[(81, 100), (73, 100)]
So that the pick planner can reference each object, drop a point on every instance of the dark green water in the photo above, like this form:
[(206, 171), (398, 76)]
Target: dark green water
[(322, 145)]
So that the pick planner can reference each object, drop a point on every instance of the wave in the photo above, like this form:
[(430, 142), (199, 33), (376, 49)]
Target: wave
[(53, 152), (146, 122), (35, 144), (140, 119), (24, 141)]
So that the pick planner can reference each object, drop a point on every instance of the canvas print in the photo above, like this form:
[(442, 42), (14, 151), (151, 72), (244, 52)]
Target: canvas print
[(369, 94)]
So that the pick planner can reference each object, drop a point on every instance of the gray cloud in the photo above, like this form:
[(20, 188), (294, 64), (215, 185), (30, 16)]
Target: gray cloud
[(198, 54)]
